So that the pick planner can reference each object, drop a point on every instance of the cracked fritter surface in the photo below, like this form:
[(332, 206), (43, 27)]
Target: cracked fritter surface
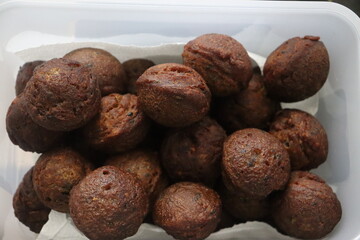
[(62, 95), (120, 125), (109, 203), (188, 211), (221, 60), (173, 95), (106, 68), (303, 137)]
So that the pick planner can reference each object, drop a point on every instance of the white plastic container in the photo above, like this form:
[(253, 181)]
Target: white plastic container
[(259, 26)]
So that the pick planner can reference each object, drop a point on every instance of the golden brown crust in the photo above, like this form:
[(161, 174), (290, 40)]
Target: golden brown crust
[(107, 69), (254, 163), (62, 95), (120, 125), (307, 209), (193, 153), (188, 211), (297, 69), (173, 95), (303, 136), (25, 133), (109, 203), (221, 60), (55, 173), (27, 206)]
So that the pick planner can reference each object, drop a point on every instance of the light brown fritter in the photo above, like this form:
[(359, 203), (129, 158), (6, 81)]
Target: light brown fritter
[(297, 69), (109, 203), (254, 163), (120, 125), (62, 95), (173, 95), (56, 172), (221, 60), (307, 209), (106, 68), (188, 211), (303, 137)]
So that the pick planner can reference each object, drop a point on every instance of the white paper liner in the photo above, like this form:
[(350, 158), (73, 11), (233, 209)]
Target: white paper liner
[(60, 225)]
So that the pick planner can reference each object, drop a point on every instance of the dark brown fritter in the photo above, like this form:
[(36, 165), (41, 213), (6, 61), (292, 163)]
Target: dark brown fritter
[(134, 68), (193, 153), (121, 125), (55, 173), (303, 137), (173, 95), (27, 206), (254, 163), (24, 75), (25, 133), (244, 209), (221, 60), (297, 69), (62, 95), (107, 69), (145, 165), (250, 108), (307, 209), (108, 204), (188, 211)]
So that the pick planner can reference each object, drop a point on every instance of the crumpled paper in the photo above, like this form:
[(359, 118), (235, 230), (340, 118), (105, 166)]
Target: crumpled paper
[(60, 225)]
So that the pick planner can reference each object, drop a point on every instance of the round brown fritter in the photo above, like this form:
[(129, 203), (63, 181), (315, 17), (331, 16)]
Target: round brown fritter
[(193, 153), (221, 60), (28, 135), (121, 125), (254, 163), (188, 211), (307, 209), (173, 95), (244, 209), (107, 69), (134, 68), (55, 174), (62, 95), (109, 203), (146, 167), (250, 108), (297, 69), (303, 137), (24, 75), (27, 206)]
